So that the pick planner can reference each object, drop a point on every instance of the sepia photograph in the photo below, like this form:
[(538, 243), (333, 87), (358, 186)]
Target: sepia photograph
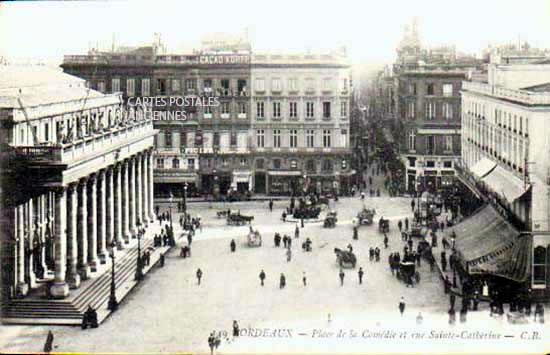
[(274, 177)]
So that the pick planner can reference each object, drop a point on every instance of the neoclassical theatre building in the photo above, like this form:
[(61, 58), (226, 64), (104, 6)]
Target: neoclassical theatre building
[(77, 179)]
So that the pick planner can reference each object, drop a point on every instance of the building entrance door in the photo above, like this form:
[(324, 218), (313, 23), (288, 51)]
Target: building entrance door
[(259, 183)]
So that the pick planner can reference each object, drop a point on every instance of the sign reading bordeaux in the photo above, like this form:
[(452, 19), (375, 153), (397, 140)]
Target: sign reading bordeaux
[(224, 59)]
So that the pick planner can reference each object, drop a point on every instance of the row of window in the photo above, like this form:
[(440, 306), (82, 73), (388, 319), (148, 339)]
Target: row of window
[(430, 143), (293, 135), (446, 89), (175, 163), (431, 110), (293, 109), (293, 84), (224, 88), (500, 118)]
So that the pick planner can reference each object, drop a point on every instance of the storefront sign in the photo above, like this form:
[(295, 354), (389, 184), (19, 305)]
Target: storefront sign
[(224, 59)]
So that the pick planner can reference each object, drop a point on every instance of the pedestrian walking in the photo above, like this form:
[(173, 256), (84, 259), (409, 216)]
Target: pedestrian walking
[(233, 245), (401, 305), (235, 329), (400, 225), (262, 277), (271, 205), (386, 241), (355, 233), (296, 232), (199, 276), (342, 275), (282, 281), (189, 238), (161, 259), (406, 224), (304, 280), (288, 254), (211, 343), (412, 205), (285, 242), (360, 273), (48, 346), (288, 242)]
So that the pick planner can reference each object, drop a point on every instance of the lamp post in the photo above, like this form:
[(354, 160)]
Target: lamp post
[(139, 266), (185, 199), (171, 199), (113, 303)]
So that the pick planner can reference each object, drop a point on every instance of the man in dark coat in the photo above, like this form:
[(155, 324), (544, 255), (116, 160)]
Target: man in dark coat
[(285, 242), (341, 275), (385, 241), (296, 232), (49, 342), (452, 300), (412, 205), (199, 276), (282, 281), (400, 225), (360, 273), (401, 306), (271, 205), (355, 234), (443, 261), (262, 277), (406, 224), (233, 245)]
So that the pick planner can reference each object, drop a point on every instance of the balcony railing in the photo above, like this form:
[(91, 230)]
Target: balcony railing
[(523, 96), (87, 146)]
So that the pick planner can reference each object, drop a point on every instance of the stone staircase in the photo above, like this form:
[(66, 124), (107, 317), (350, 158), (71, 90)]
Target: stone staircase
[(36, 308)]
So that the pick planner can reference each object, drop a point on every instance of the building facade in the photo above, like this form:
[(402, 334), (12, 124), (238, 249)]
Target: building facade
[(204, 144), (429, 110), (505, 149), (300, 123), (77, 178), (298, 109)]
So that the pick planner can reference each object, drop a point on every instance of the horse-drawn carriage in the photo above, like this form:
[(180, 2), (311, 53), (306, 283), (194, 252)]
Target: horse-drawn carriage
[(384, 225), (223, 213), (346, 259), (237, 219), (254, 238), (330, 220), (365, 216), (419, 231), (307, 212), (407, 272)]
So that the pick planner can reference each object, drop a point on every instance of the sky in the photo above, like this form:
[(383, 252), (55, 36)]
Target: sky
[(370, 30)]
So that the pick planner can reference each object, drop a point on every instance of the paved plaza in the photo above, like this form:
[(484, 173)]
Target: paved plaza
[(169, 312)]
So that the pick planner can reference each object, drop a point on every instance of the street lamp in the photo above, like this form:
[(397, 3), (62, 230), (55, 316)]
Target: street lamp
[(139, 266), (171, 199), (113, 303), (185, 199)]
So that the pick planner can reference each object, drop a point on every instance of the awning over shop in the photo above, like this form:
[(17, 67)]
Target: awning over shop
[(487, 244), (505, 183), (483, 167), (285, 173), (241, 176)]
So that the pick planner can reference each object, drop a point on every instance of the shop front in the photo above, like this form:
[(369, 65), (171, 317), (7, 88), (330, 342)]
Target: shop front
[(242, 181), (172, 183), (283, 182)]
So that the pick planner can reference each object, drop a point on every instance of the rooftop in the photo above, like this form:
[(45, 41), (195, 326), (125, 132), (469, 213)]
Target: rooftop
[(36, 86)]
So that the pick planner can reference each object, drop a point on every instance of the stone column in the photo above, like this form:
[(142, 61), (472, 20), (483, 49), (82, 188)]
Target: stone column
[(22, 287), (110, 209), (125, 203), (83, 267), (44, 213), (92, 225), (150, 189), (139, 190), (59, 288), (102, 225), (73, 278), (132, 197), (29, 260), (145, 187), (118, 206)]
